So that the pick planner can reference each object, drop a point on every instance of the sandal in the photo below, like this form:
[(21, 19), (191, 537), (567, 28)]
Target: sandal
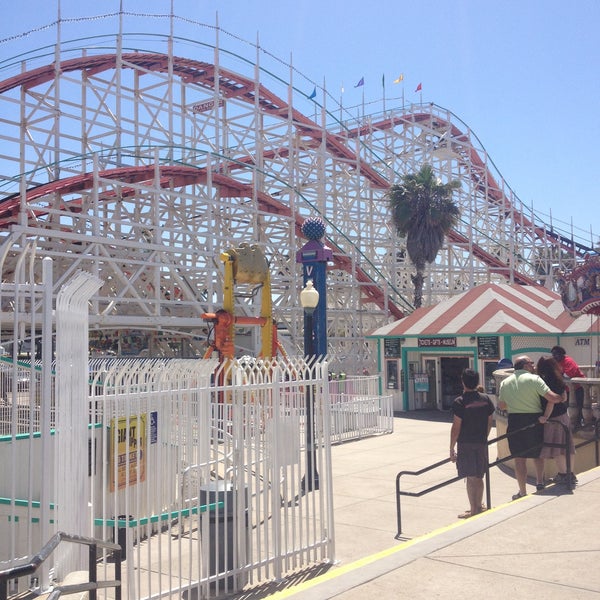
[(467, 512), (519, 495)]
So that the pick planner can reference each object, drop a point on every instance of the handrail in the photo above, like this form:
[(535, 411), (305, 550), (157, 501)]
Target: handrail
[(92, 585), (499, 461), (595, 440)]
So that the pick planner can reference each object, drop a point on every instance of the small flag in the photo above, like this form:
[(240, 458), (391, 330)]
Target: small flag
[(400, 78), (419, 88), (383, 80), (361, 82), (314, 94)]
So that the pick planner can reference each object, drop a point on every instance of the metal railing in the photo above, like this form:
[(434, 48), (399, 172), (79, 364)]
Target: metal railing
[(593, 440), (358, 410), (565, 446), (90, 586)]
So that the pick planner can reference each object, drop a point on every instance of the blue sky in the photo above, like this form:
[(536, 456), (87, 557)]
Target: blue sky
[(524, 75)]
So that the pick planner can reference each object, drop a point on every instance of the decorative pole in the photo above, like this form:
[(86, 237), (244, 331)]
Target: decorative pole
[(314, 256), (309, 298)]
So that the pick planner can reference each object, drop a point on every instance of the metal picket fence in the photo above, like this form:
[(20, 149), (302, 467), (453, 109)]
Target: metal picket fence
[(199, 473), (357, 408), (211, 478)]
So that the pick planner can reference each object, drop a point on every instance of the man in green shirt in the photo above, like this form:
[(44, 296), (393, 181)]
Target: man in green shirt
[(520, 396)]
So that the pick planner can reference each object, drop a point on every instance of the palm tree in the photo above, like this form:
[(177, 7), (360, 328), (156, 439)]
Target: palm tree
[(424, 212)]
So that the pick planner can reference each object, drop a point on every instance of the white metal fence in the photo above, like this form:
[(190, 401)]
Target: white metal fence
[(358, 410), (201, 474), (165, 440), (210, 478)]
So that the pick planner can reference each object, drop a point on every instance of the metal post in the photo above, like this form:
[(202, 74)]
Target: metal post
[(312, 476), (309, 298), (313, 256)]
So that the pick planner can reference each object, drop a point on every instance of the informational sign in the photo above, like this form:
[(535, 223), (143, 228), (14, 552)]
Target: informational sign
[(391, 347), (128, 450), (205, 106), (437, 342), (488, 346), (154, 427), (421, 382)]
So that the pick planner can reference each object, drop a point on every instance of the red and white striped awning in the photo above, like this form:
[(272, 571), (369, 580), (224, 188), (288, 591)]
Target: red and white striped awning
[(493, 308)]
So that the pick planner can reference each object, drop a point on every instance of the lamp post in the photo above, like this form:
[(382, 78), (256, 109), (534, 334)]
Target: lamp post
[(313, 257), (309, 299)]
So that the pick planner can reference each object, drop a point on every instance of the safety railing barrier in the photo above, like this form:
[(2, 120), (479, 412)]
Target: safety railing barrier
[(358, 409), (595, 439), (565, 446), (91, 586)]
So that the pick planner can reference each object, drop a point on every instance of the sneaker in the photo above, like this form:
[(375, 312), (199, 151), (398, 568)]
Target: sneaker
[(560, 478), (573, 478), (540, 486)]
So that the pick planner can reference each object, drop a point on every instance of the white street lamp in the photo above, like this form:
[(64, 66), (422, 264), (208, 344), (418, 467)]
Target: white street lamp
[(309, 299)]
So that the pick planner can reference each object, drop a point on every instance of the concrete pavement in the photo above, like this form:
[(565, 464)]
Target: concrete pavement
[(544, 545)]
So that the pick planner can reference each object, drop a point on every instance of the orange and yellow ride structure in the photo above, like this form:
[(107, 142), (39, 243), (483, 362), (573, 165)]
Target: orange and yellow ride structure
[(248, 265)]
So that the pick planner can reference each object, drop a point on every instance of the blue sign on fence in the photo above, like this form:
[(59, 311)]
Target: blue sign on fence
[(153, 427)]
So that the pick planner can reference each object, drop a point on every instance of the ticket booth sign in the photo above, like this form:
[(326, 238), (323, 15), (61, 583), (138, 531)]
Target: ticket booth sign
[(127, 451), (421, 382)]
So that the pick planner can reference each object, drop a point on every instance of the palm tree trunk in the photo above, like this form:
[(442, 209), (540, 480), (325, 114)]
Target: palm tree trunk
[(417, 280)]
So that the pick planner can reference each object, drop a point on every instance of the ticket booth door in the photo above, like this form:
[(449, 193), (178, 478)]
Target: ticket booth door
[(431, 366), (451, 368)]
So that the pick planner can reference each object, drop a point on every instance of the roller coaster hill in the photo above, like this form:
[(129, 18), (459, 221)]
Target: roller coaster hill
[(141, 157)]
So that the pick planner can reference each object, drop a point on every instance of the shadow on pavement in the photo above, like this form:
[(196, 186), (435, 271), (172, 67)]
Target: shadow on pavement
[(431, 415), (290, 581)]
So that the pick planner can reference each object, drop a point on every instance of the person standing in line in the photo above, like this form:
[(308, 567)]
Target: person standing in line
[(571, 369), (471, 424), (520, 396), (556, 420)]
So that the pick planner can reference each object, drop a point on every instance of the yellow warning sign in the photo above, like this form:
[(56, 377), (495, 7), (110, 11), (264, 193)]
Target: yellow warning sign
[(127, 451)]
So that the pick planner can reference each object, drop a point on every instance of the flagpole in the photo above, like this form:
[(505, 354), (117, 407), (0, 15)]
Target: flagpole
[(363, 102), (420, 90), (400, 79), (361, 83), (383, 85)]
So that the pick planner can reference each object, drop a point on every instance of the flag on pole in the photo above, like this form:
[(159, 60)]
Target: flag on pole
[(419, 88), (361, 82), (383, 80), (314, 94), (399, 78)]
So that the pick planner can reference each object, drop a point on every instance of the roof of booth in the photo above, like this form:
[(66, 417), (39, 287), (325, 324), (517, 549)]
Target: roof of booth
[(493, 308)]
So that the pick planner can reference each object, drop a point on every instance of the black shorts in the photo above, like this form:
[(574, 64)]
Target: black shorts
[(471, 459), (527, 443)]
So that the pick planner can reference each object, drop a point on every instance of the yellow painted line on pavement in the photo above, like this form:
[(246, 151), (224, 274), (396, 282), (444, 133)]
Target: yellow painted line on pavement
[(367, 560)]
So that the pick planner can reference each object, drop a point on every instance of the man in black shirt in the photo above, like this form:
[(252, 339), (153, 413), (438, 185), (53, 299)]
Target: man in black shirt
[(469, 433)]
